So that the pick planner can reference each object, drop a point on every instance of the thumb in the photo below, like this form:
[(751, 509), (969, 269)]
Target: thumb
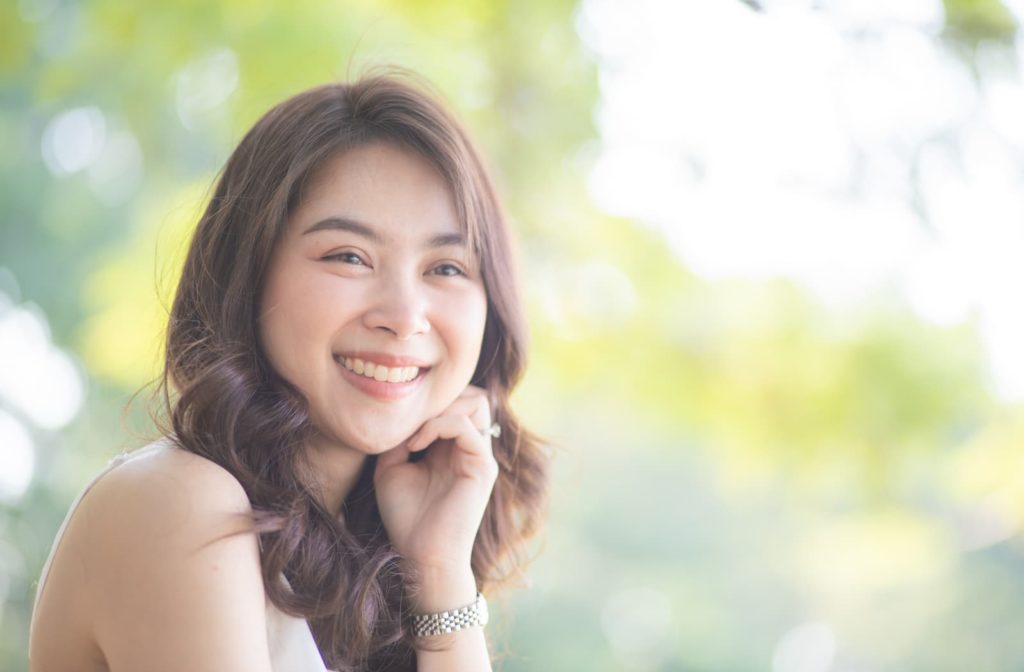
[(394, 457)]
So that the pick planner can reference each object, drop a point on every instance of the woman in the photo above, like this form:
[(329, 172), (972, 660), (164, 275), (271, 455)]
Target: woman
[(341, 466)]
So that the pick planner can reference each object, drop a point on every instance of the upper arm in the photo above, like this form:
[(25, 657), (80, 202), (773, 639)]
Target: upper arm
[(171, 591)]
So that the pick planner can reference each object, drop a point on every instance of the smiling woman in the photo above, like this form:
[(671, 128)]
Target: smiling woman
[(341, 287), (339, 444)]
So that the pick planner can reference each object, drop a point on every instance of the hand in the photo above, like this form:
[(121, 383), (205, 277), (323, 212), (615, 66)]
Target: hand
[(432, 508)]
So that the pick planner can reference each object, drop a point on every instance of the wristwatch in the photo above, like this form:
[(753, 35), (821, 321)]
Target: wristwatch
[(427, 625)]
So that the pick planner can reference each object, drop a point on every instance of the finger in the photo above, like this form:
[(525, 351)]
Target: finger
[(481, 416), (456, 427), (476, 405), (472, 402), (472, 450), (472, 391), (467, 403)]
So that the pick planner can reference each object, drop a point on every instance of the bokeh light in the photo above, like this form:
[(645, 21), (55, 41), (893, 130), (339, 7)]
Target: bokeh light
[(37, 378), (16, 459)]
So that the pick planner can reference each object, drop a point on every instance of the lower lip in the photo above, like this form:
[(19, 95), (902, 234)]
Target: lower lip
[(382, 389)]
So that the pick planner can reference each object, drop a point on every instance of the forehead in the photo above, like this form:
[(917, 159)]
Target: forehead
[(391, 188)]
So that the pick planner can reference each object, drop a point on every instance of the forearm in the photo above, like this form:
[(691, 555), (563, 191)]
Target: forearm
[(461, 651)]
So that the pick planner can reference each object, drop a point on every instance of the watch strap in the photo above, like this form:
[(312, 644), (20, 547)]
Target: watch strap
[(453, 620)]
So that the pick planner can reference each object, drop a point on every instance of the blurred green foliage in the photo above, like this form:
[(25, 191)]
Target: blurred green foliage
[(734, 459), (976, 21)]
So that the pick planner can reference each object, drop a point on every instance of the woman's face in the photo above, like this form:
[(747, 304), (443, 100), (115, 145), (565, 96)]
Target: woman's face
[(373, 272)]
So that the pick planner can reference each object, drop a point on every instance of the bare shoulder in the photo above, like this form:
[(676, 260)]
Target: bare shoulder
[(166, 499), (176, 579), (172, 481)]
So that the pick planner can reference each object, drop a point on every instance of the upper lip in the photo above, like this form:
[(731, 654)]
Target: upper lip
[(384, 358)]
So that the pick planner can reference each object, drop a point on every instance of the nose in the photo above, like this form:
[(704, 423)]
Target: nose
[(399, 307)]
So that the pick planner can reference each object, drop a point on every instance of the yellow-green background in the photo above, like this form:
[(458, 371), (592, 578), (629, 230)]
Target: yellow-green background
[(733, 460)]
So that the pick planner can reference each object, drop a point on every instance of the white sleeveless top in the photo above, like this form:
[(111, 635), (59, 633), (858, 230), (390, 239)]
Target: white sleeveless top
[(292, 647)]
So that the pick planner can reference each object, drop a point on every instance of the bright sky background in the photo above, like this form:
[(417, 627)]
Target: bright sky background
[(845, 148)]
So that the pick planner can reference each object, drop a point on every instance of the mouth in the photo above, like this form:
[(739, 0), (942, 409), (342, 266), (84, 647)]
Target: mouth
[(379, 372), (377, 380)]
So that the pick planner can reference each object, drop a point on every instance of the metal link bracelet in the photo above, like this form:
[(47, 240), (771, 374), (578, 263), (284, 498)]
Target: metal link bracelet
[(428, 625)]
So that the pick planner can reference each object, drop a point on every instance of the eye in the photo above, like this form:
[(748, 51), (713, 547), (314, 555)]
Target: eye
[(346, 257), (448, 270)]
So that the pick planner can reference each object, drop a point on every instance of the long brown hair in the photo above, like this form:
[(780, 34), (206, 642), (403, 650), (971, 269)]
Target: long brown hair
[(225, 402)]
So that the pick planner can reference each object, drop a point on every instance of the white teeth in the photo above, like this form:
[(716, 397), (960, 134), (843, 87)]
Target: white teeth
[(398, 374)]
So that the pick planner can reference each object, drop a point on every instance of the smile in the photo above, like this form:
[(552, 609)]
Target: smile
[(377, 380), (379, 372)]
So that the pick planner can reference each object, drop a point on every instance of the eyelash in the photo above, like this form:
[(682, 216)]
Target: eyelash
[(458, 271), (340, 255)]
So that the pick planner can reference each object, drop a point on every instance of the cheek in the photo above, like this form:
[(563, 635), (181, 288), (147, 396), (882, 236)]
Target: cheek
[(467, 331), (293, 327)]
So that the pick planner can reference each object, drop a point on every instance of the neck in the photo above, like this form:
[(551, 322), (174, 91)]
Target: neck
[(335, 468)]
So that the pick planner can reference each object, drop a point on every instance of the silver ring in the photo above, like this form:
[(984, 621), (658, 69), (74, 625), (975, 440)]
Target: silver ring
[(494, 430)]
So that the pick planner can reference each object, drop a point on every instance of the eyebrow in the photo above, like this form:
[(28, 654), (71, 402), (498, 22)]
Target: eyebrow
[(368, 232)]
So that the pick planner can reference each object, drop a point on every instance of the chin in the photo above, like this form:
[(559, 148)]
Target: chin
[(379, 446), (366, 432), (373, 442)]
